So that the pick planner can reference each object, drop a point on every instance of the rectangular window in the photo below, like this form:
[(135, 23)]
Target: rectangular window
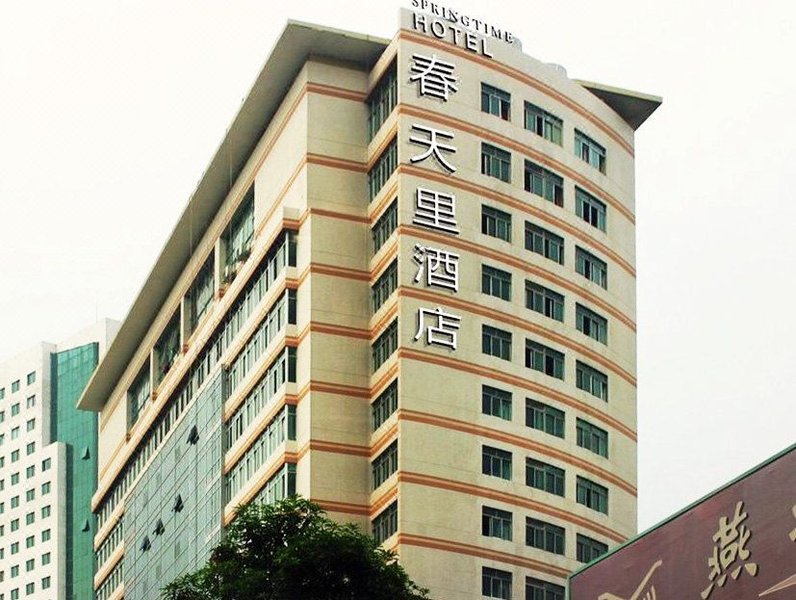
[(536, 589), (495, 102), (14, 502), (543, 123), (46, 487), (384, 286), (2, 393), (546, 360), (31, 401), (14, 524), (14, 478), (30, 541), (382, 100), (45, 535), (30, 495), (385, 464), (200, 294), (591, 267), (30, 518), (544, 300), (15, 409), (589, 151), (14, 456), (496, 462), (385, 405), (496, 402), (591, 380), (543, 476), (383, 168), (495, 583), (30, 448), (46, 511), (589, 549), (495, 282), (496, 342), (592, 438), (591, 494), (384, 226), (496, 523), (46, 464), (45, 558), (544, 242), (591, 210), (543, 535), (30, 564), (386, 523), (15, 386), (544, 418), (45, 583), (30, 425), (495, 162), (496, 223), (590, 323), (138, 394), (30, 472), (385, 344), (30, 588), (544, 183)]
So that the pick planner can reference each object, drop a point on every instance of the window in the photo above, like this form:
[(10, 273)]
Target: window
[(495, 583), (30, 518), (536, 589), (45, 583), (14, 456), (14, 571), (591, 210), (591, 267), (589, 322), (15, 386), (385, 285), (30, 425), (385, 344), (15, 594), (199, 298), (383, 168), (544, 418), (591, 380), (495, 162), (496, 223), (495, 102), (543, 476), (591, 494), (543, 535), (589, 549), (544, 300), (15, 548), (385, 464), (385, 225), (2, 393), (30, 564), (30, 588), (589, 151), (31, 401), (496, 342), (30, 448), (385, 405), (496, 523), (386, 523), (544, 242), (45, 511), (382, 100), (45, 488), (14, 524), (496, 462), (30, 495), (14, 502), (544, 183), (46, 464), (14, 478), (546, 360), (45, 535), (30, 471), (15, 409), (2, 416), (138, 394), (31, 378), (496, 402), (592, 438), (496, 282), (45, 558), (30, 541), (543, 123)]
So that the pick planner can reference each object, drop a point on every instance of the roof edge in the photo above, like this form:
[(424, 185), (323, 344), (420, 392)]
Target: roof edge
[(633, 107)]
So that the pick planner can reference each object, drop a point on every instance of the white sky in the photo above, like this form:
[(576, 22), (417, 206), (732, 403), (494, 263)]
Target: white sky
[(111, 110)]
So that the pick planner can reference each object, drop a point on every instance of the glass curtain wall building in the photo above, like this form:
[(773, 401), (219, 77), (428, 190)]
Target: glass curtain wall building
[(404, 288)]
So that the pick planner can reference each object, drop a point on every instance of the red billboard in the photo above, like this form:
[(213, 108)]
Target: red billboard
[(739, 543)]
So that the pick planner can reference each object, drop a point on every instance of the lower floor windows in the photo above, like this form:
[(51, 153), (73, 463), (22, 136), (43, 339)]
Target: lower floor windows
[(545, 536), (496, 523), (592, 438), (495, 583), (385, 464), (544, 418), (536, 589), (386, 523), (591, 494), (543, 476), (545, 301), (496, 402), (588, 549), (591, 380), (542, 358), (496, 462)]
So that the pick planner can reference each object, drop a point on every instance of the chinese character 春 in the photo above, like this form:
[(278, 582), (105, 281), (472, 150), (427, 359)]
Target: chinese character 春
[(435, 76), (729, 549), (434, 147), (441, 267), (443, 333), (435, 210)]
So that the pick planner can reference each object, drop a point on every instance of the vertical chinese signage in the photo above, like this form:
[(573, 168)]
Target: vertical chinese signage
[(737, 544)]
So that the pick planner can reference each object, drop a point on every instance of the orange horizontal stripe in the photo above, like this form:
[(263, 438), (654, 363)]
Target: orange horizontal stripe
[(335, 92), (342, 507)]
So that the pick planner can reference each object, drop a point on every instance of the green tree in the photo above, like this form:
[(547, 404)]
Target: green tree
[(292, 551)]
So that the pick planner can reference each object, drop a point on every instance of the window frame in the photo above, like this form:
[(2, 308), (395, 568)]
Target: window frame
[(544, 242), (495, 162), (495, 101), (544, 183), (497, 224)]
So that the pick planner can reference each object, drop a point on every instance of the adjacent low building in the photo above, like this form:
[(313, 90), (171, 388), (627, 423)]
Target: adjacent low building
[(405, 289), (48, 469)]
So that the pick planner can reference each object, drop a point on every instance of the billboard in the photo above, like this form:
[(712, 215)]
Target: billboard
[(738, 543)]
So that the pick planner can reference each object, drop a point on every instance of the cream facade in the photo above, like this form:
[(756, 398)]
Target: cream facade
[(413, 303)]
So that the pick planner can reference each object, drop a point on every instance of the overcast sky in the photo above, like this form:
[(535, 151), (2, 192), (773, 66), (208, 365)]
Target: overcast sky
[(111, 110)]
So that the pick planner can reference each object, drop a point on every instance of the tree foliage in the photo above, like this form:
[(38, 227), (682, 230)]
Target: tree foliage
[(292, 551)]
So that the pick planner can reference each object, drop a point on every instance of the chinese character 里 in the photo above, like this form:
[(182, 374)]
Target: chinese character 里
[(441, 267), (434, 147), (435, 76), (443, 332), (730, 554), (435, 210)]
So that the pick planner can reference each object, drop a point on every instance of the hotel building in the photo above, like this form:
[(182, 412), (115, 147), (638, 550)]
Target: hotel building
[(48, 469), (405, 289)]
